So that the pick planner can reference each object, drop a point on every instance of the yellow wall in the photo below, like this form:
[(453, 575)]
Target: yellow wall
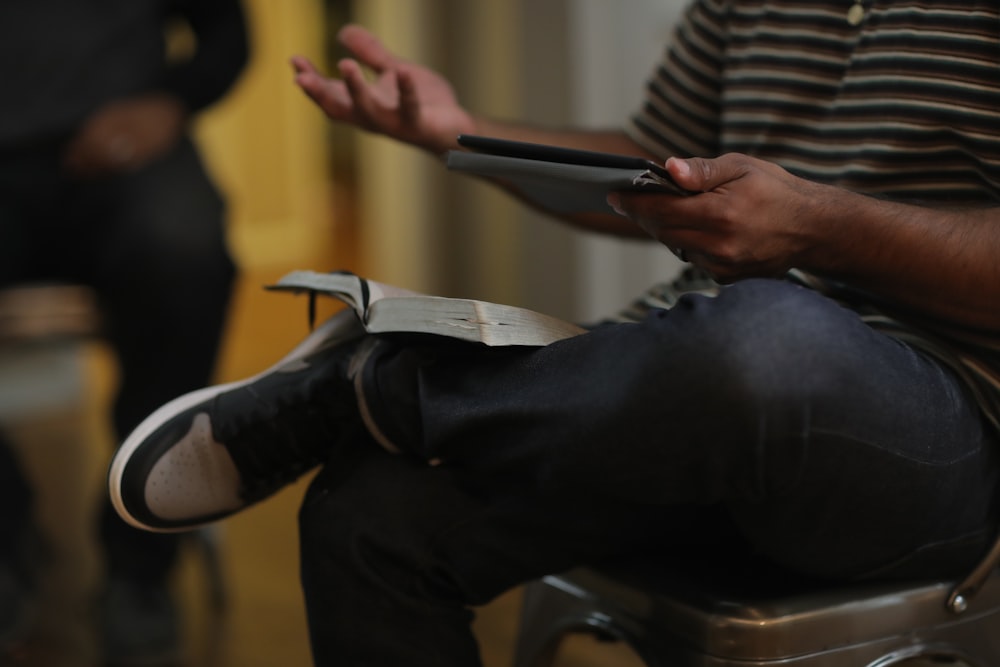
[(268, 147), (266, 143)]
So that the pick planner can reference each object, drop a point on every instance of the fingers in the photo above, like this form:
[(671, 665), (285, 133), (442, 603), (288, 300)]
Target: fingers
[(305, 70), (702, 175), (389, 102), (303, 65), (364, 46), (307, 77), (663, 217), (352, 98), (370, 103), (409, 104), (330, 95), (353, 78)]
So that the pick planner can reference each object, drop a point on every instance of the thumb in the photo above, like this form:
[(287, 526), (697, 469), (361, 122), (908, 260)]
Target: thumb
[(702, 174)]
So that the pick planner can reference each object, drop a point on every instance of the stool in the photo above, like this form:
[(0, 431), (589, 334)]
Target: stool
[(697, 616)]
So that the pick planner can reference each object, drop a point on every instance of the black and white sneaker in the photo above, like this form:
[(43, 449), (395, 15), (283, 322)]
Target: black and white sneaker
[(215, 451)]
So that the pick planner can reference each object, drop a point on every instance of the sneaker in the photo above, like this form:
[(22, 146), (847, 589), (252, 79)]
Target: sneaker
[(140, 625), (215, 451)]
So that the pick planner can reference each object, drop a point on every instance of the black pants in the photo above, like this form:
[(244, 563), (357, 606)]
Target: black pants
[(152, 244), (768, 417)]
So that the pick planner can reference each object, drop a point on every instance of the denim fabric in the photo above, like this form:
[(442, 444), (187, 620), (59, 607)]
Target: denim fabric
[(152, 244), (768, 417)]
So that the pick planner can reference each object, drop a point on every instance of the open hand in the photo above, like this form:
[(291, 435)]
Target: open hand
[(406, 101)]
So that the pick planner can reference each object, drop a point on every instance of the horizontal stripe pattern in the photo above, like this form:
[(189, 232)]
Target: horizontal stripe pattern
[(795, 83), (905, 105)]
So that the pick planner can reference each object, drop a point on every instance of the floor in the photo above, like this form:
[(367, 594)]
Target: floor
[(52, 401)]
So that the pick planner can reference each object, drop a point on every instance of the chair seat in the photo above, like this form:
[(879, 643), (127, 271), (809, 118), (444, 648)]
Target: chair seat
[(44, 311), (677, 619)]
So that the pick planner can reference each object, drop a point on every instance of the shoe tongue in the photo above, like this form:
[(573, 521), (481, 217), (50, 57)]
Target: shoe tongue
[(280, 446), (283, 424)]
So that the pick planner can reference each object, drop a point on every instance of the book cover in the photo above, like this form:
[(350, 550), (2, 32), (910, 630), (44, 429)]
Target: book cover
[(563, 180)]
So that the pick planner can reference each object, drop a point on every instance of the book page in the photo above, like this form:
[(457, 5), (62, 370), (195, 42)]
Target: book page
[(394, 309), (377, 290), (468, 319)]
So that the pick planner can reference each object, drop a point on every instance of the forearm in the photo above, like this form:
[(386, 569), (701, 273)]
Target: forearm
[(945, 263), (604, 140)]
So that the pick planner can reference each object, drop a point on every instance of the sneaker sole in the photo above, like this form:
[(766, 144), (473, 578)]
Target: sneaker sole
[(341, 327)]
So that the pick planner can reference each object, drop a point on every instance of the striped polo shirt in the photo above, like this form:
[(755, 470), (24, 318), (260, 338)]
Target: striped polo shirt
[(893, 98)]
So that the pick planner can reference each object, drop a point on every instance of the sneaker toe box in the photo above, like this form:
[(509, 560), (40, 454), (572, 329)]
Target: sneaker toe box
[(191, 479)]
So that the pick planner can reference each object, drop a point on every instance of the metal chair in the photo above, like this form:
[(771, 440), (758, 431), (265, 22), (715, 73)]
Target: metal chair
[(707, 615)]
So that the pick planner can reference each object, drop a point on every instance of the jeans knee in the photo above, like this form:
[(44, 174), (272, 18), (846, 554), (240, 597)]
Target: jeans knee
[(775, 341), (359, 518), (332, 522), (769, 361)]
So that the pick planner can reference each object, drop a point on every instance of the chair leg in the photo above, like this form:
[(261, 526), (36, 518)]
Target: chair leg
[(541, 631), (206, 545), (207, 541), (549, 613)]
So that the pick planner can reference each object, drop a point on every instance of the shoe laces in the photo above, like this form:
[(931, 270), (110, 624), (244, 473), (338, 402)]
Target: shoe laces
[(283, 437)]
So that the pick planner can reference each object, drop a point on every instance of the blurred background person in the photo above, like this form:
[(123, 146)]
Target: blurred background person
[(101, 185)]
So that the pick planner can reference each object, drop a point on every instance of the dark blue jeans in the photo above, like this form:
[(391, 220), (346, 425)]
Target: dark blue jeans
[(151, 242), (769, 416)]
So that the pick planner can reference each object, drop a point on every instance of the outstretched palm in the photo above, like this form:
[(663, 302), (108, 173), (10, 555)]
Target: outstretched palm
[(406, 101)]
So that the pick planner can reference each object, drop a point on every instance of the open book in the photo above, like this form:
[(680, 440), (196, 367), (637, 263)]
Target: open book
[(384, 309), (563, 180)]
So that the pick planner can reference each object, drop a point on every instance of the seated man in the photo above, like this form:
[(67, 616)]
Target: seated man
[(834, 409)]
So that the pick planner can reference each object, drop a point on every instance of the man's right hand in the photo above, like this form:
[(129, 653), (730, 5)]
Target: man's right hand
[(406, 101)]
